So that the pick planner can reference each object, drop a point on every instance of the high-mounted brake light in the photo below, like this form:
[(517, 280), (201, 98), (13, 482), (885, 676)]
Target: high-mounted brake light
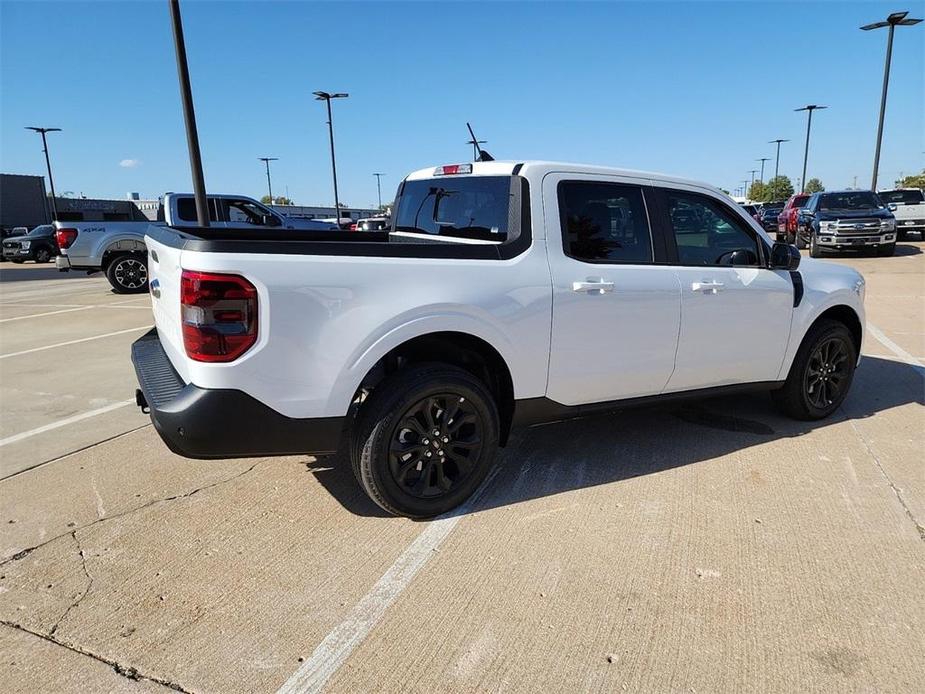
[(218, 313), (453, 169), (65, 237)]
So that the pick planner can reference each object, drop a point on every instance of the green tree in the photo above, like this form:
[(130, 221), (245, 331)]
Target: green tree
[(778, 188), (757, 191), (914, 181), (814, 185), (277, 200)]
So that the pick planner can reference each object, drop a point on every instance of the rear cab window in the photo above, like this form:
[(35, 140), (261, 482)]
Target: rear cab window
[(902, 197), (462, 209)]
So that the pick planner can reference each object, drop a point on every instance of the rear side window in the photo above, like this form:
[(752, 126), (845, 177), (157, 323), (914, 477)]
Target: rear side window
[(186, 210), (484, 208), (604, 222)]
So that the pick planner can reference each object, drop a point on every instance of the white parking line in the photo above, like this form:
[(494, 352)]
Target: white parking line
[(74, 342), (31, 305), (895, 349), (64, 422), (337, 646), (47, 313)]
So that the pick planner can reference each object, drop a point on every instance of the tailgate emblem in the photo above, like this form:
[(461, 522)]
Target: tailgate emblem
[(155, 289)]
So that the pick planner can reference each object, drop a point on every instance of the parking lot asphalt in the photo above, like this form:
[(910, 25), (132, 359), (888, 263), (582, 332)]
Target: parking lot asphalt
[(712, 546)]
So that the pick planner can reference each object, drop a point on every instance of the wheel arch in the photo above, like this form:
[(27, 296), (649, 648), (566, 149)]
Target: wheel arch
[(121, 247), (464, 350), (848, 317)]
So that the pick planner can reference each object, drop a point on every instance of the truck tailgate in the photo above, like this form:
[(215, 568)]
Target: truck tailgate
[(164, 272)]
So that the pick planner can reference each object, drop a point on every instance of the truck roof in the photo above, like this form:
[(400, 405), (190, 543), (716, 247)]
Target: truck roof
[(541, 168)]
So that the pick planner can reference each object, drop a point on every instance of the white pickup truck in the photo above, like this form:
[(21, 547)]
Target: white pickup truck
[(908, 207), (504, 294), (117, 248)]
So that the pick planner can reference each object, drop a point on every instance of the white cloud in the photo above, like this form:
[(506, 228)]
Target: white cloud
[(130, 163)]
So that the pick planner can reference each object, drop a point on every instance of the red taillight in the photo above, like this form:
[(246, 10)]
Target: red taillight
[(218, 314), (65, 237), (353, 227)]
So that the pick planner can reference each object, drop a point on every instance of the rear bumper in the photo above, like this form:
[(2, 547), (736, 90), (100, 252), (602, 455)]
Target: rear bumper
[(209, 423), (62, 262)]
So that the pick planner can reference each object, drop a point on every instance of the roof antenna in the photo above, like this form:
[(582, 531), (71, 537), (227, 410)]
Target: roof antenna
[(478, 153)]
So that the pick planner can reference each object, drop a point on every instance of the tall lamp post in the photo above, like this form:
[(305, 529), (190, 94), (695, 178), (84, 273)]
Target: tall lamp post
[(267, 160), (327, 97), (753, 172), (900, 19), (379, 176), (809, 108), (189, 117), (51, 181), (763, 160), (777, 159)]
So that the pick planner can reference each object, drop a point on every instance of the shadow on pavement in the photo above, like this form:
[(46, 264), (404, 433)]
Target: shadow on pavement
[(25, 272), (554, 458)]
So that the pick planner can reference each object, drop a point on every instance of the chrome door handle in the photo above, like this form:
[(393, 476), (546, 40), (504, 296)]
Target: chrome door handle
[(592, 286), (707, 286)]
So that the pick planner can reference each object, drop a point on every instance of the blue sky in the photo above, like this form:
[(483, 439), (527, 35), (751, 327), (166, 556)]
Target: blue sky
[(695, 89)]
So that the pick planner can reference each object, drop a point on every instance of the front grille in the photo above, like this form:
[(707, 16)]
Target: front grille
[(851, 227)]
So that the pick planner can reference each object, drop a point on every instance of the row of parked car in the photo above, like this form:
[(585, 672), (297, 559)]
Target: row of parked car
[(845, 219), (38, 245)]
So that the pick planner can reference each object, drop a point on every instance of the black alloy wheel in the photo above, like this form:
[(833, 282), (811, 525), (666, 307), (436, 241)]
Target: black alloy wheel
[(42, 255), (827, 372), (435, 445)]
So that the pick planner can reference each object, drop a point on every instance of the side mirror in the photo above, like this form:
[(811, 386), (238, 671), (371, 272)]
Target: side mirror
[(807, 213), (269, 220), (784, 256)]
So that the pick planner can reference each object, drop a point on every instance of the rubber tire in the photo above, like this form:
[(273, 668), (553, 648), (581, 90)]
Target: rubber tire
[(790, 399), (369, 450), (814, 250), (42, 255), (886, 250), (800, 241), (17, 261), (902, 236), (111, 275)]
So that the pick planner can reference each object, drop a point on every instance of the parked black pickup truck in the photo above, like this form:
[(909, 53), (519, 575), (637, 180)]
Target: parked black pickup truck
[(846, 220), (38, 245)]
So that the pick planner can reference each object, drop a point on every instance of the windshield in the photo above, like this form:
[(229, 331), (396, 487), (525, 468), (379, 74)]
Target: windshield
[(855, 200), (800, 202), (902, 196), (473, 207)]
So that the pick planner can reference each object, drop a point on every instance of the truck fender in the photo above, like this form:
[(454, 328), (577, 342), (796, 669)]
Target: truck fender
[(403, 329), (810, 311)]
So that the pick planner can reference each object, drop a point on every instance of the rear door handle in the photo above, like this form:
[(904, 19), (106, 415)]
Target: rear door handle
[(707, 286), (592, 286)]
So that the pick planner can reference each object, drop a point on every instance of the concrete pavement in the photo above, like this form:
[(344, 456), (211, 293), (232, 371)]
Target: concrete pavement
[(714, 546)]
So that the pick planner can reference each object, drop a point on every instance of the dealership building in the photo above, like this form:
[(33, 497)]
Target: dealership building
[(24, 203)]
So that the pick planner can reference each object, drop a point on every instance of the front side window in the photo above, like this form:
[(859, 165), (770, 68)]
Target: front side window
[(246, 212), (470, 207), (604, 222), (707, 234)]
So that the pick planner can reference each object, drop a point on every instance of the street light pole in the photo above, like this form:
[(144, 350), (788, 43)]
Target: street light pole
[(809, 108), (777, 160), (753, 172), (326, 97), (763, 160), (896, 18), (267, 160), (379, 187), (51, 181), (189, 116)]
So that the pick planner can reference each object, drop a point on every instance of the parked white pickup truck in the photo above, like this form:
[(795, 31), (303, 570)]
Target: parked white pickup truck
[(117, 247), (908, 206), (504, 294)]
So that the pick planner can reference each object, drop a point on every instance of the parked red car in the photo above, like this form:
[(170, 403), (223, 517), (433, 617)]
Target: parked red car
[(787, 219)]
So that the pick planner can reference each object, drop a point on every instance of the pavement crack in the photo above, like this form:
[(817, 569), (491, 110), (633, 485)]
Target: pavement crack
[(83, 594), (126, 671), (21, 554), (896, 490)]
